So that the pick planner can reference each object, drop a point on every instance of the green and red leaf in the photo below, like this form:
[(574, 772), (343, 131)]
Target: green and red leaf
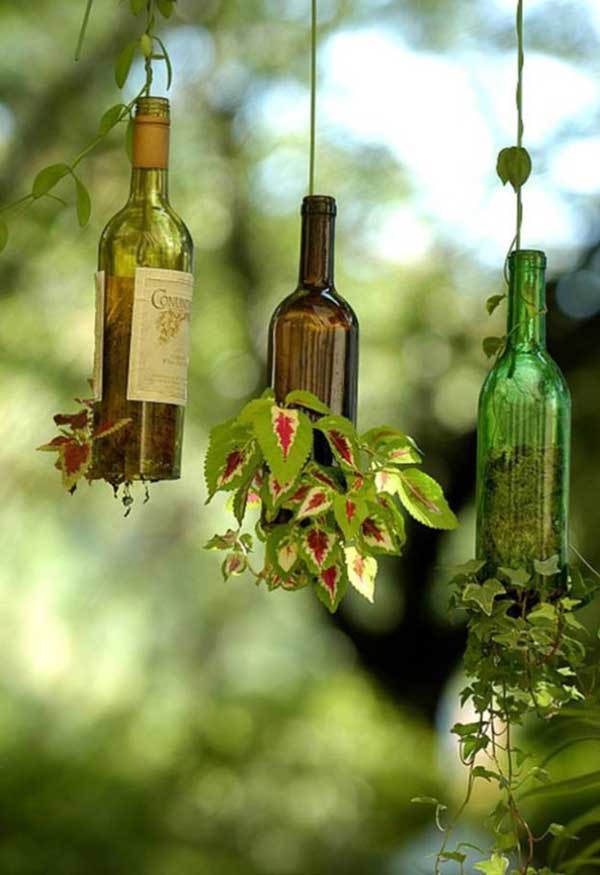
[(330, 586), (350, 510), (317, 544), (317, 501), (362, 571), (234, 565), (106, 428), (56, 444), (342, 439), (424, 499), (285, 438), (75, 459), (377, 535)]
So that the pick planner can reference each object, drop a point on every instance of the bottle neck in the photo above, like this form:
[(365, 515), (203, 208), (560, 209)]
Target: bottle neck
[(317, 251), (149, 184), (526, 304)]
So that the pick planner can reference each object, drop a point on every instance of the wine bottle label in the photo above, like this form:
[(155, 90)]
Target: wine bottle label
[(160, 336), (99, 335)]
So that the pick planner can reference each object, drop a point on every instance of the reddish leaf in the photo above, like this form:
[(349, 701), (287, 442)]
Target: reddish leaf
[(377, 535), (317, 501), (299, 495), (329, 577), (76, 421), (317, 545), (56, 443), (75, 459), (343, 446), (285, 426), (235, 462)]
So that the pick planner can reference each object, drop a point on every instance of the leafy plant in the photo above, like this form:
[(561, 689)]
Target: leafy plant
[(73, 445), (151, 48), (322, 524), (526, 657)]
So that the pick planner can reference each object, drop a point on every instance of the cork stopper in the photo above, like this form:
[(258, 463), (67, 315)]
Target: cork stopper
[(151, 133)]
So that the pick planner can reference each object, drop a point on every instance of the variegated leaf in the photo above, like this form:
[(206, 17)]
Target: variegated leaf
[(106, 428), (285, 438), (234, 565), (377, 535), (227, 462), (287, 554), (350, 510), (317, 501), (424, 500), (362, 571), (342, 439), (75, 459), (56, 444), (330, 586), (317, 545)]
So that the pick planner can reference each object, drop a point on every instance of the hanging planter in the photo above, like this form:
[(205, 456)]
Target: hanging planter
[(132, 429), (526, 651)]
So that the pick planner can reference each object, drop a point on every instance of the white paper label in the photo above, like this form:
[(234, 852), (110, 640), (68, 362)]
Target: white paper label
[(160, 336), (99, 335)]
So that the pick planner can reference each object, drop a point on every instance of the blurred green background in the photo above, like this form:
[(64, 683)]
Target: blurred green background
[(153, 719)]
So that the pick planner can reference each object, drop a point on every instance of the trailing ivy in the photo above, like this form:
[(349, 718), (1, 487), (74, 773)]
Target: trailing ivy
[(321, 525), (526, 657), (149, 46)]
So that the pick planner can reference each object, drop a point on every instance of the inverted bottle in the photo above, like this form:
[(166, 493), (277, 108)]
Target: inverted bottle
[(313, 335), (524, 430), (144, 295)]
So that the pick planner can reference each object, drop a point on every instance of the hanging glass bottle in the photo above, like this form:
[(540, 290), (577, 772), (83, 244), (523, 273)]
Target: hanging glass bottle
[(524, 435), (144, 293), (313, 336)]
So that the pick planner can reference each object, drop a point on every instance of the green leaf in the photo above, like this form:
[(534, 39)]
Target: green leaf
[(165, 7), (350, 511), (309, 400), (124, 62), (146, 45), (517, 576), (496, 865), (492, 346), (137, 6), (484, 594), (463, 730), (47, 178), (285, 438), (514, 166), (470, 568), (543, 613), (111, 117), (424, 499), (427, 800), (548, 567), (3, 234), (222, 542), (494, 302), (84, 203), (455, 856), (486, 774)]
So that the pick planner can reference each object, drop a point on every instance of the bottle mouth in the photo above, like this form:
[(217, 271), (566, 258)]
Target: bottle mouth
[(321, 204), (153, 107), (528, 258)]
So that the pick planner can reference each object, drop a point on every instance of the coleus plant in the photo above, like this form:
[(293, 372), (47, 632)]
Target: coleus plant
[(321, 524), (73, 444)]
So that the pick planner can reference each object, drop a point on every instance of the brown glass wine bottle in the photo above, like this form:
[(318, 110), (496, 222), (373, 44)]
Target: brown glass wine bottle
[(313, 335), (144, 294)]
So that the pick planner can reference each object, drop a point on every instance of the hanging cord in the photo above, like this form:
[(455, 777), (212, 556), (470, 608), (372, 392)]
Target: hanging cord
[(520, 125), (313, 98)]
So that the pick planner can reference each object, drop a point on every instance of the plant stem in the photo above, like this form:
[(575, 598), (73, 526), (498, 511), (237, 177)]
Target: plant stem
[(82, 32)]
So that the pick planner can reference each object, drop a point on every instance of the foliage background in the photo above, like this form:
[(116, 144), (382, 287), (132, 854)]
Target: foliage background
[(153, 719)]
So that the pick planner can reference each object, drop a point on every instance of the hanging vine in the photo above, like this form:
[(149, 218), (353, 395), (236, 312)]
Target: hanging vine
[(152, 48)]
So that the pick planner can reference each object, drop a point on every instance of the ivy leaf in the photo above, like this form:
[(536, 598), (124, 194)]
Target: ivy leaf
[(47, 178), (342, 438), (496, 865), (424, 500), (285, 438), (3, 234), (547, 567), (303, 398), (84, 203), (517, 576), (492, 346), (124, 62), (484, 595), (544, 613), (110, 118), (362, 571), (494, 302), (514, 166), (455, 856)]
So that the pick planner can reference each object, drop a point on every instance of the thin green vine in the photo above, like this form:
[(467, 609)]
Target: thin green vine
[(147, 44)]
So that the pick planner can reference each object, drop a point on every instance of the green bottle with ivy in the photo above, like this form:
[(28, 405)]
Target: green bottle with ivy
[(524, 435)]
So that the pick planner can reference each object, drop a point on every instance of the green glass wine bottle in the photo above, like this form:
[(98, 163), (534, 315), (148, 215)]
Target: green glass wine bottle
[(143, 306), (524, 427), (313, 335)]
